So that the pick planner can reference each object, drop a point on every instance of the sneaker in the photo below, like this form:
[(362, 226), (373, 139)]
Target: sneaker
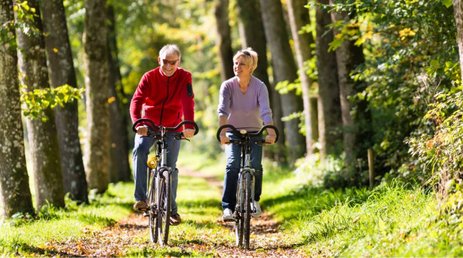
[(140, 206), (257, 211), (175, 219), (227, 215)]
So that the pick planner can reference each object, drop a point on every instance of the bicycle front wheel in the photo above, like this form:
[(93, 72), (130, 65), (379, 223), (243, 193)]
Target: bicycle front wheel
[(152, 207), (239, 211), (247, 209), (163, 201)]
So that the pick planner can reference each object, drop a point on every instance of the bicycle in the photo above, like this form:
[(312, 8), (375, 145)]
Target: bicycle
[(246, 180), (159, 180)]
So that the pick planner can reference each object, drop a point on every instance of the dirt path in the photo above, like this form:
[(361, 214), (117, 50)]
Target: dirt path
[(132, 234)]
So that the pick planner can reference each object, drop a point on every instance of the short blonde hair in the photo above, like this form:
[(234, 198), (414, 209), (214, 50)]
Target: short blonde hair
[(249, 55)]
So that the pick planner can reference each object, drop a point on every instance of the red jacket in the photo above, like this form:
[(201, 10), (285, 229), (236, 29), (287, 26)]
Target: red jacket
[(165, 100)]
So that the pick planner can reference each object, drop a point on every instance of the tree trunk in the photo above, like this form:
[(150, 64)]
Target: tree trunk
[(252, 33), (15, 195), (284, 69), (224, 39), (329, 110), (97, 154), (119, 165), (61, 71), (348, 57), (299, 17), (42, 135), (458, 13)]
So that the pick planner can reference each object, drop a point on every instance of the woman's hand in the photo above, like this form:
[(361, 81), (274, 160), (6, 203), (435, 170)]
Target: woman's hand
[(224, 139)]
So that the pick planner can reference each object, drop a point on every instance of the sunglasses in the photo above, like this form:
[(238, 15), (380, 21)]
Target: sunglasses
[(171, 62), (246, 52)]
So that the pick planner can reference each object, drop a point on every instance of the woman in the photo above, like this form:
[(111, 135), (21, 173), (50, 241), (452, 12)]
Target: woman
[(243, 103)]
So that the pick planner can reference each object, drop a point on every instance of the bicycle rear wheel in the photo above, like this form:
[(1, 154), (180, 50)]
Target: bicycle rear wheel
[(163, 201), (247, 210)]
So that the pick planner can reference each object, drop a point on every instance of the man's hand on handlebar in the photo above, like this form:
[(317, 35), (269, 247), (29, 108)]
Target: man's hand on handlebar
[(142, 130), (188, 133)]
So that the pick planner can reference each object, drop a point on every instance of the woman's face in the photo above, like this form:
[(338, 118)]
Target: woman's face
[(169, 64), (241, 67)]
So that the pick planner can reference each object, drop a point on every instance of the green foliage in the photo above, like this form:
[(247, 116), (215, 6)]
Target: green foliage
[(410, 58), (39, 100)]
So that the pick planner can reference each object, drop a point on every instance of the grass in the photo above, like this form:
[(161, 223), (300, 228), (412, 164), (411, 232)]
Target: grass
[(26, 236), (389, 220)]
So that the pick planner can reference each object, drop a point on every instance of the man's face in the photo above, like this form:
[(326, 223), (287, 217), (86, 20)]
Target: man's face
[(169, 64)]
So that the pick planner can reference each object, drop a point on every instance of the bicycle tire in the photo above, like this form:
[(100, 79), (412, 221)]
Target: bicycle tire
[(247, 210), (167, 198), (152, 207), (239, 212), (163, 203)]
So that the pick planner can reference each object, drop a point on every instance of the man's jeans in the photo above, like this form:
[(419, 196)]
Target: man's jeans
[(233, 153), (140, 157)]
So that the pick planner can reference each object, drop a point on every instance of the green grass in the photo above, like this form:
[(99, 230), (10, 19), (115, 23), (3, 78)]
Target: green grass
[(26, 236), (389, 220)]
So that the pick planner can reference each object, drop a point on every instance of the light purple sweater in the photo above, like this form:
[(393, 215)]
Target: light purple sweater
[(247, 111)]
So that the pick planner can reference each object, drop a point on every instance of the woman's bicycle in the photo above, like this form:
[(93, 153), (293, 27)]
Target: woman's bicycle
[(246, 180), (159, 179)]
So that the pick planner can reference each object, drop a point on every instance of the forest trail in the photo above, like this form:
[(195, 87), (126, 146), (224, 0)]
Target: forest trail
[(131, 233)]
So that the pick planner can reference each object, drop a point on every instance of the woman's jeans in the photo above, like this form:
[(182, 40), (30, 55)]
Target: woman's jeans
[(141, 149), (233, 154)]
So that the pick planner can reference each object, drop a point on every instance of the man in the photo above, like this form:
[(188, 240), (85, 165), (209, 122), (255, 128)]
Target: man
[(165, 96)]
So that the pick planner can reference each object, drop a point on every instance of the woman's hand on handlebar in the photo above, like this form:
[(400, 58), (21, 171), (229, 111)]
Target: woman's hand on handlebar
[(142, 130), (271, 136), (224, 139), (270, 139)]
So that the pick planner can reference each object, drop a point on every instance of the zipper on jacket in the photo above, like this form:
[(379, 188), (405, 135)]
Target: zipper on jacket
[(164, 102)]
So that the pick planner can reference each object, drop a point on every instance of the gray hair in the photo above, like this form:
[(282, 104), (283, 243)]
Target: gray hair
[(170, 49)]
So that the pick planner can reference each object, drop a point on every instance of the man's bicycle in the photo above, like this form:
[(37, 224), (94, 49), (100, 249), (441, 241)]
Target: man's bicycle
[(246, 180), (159, 194)]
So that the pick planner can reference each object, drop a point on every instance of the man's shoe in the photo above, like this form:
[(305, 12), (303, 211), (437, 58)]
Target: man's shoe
[(175, 219), (256, 210), (227, 215), (140, 206)]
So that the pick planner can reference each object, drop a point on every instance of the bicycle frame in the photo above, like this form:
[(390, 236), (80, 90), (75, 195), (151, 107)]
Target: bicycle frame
[(159, 181)]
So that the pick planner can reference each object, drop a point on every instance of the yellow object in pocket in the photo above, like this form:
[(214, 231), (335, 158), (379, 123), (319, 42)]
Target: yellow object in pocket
[(152, 161)]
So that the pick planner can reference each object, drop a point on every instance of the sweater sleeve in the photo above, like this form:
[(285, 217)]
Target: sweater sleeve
[(264, 105), (138, 99), (188, 101), (224, 101)]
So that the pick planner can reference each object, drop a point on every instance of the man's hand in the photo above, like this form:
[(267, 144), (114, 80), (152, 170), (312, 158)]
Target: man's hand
[(224, 139), (188, 133), (142, 130)]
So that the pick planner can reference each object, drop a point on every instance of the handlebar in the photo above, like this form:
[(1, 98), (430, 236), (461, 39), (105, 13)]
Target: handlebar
[(243, 133), (152, 127)]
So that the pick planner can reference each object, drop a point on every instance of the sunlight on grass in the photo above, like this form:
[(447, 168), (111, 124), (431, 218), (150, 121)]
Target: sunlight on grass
[(25, 236)]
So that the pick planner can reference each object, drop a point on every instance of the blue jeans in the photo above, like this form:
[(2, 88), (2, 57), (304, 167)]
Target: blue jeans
[(233, 153), (141, 149)]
